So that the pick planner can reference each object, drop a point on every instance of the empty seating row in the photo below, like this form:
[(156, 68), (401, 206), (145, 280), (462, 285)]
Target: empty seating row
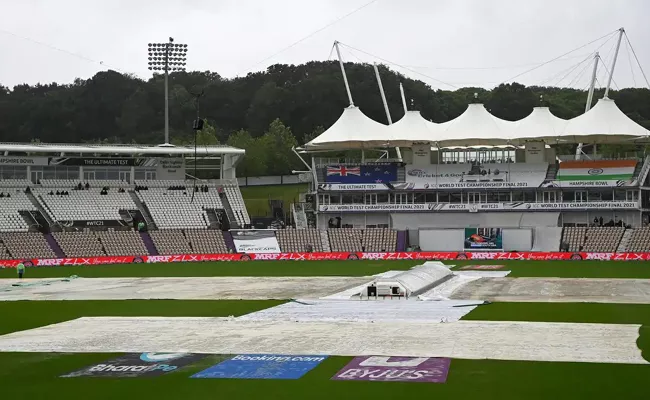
[(189, 241), (176, 209), (603, 239), (237, 204), (27, 245), (91, 204), (12, 202), (298, 240), (639, 240), (574, 237)]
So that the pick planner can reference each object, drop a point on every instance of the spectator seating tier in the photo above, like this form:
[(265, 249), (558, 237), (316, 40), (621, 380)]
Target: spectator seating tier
[(10, 208), (122, 243), (574, 237), (603, 239), (639, 240), (298, 240), (27, 245), (171, 241), (345, 239), (176, 209), (79, 244), (84, 204)]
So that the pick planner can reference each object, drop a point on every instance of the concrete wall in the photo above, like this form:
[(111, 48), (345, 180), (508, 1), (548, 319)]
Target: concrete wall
[(517, 239), (269, 180)]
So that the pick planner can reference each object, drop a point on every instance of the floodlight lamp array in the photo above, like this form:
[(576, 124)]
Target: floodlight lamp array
[(167, 56)]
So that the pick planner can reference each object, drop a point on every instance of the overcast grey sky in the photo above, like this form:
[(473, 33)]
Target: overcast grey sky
[(231, 37)]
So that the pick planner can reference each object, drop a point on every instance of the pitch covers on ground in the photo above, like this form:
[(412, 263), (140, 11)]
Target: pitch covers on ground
[(395, 369), (262, 366), (138, 364)]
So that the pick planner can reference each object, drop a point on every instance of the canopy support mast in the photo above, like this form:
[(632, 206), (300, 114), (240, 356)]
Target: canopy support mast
[(590, 97), (383, 99), (345, 77), (611, 72), (401, 91)]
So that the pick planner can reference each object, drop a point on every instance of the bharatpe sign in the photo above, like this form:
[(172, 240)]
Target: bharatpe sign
[(262, 366), (135, 365), (395, 369)]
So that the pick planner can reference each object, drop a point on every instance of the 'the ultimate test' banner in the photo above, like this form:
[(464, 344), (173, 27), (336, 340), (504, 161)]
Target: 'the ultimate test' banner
[(340, 256)]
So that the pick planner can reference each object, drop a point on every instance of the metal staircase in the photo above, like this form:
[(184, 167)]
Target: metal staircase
[(143, 209), (299, 216), (37, 204), (325, 241), (625, 240), (551, 172)]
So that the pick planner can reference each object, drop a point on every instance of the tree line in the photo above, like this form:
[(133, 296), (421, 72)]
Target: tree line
[(266, 112)]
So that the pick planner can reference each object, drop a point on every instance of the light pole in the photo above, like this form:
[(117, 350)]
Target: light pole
[(167, 57)]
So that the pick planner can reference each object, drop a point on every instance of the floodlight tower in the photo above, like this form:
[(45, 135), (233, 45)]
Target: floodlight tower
[(167, 57)]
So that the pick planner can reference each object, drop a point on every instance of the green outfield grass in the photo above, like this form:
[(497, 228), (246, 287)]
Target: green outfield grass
[(36, 375), (257, 198), (563, 269)]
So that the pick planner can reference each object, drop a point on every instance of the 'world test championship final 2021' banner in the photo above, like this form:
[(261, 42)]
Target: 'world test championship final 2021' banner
[(338, 256)]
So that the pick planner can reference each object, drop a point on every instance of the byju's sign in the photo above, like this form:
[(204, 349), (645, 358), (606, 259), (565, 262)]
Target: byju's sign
[(135, 365), (395, 369)]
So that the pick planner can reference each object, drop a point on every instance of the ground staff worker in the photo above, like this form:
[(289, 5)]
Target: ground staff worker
[(21, 270)]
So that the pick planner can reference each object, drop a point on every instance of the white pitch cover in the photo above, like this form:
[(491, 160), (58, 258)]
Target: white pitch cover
[(255, 241)]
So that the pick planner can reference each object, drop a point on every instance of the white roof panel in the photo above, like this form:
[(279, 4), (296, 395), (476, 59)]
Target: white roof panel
[(414, 128), (353, 129), (540, 124), (475, 126), (604, 123)]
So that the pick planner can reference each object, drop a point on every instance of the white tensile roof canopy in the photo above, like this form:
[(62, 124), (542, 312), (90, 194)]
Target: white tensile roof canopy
[(475, 126), (604, 123), (413, 128), (353, 129), (541, 124)]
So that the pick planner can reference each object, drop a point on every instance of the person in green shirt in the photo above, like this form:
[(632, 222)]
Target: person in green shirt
[(21, 270), (140, 226)]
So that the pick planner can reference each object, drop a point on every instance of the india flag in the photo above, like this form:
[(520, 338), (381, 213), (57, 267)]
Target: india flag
[(605, 170)]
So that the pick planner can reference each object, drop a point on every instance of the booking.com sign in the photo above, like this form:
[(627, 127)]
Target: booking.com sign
[(262, 366)]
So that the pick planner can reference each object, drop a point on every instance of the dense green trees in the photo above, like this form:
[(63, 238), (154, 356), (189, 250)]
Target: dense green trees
[(264, 112)]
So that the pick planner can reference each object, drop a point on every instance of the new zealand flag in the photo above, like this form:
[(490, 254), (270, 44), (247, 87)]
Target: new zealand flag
[(380, 173)]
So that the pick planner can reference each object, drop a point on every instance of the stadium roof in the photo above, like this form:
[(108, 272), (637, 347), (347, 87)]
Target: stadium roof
[(475, 126), (121, 149), (540, 124), (353, 129), (413, 127), (604, 123)]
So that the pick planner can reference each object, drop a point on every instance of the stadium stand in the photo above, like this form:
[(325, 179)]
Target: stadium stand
[(170, 241), (604, 239), (79, 244), (345, 239), (298, 240), (379, 239), (12, 202), (85, 204), (26, 245), (175, 208), (206, 241), (121, 243), (15, 183), (639, 240), (4, 254), (68, 184), (574, 237), (237, 204)]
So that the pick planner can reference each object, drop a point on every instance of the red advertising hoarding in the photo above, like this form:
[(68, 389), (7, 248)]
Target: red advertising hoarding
[(340, 256)]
